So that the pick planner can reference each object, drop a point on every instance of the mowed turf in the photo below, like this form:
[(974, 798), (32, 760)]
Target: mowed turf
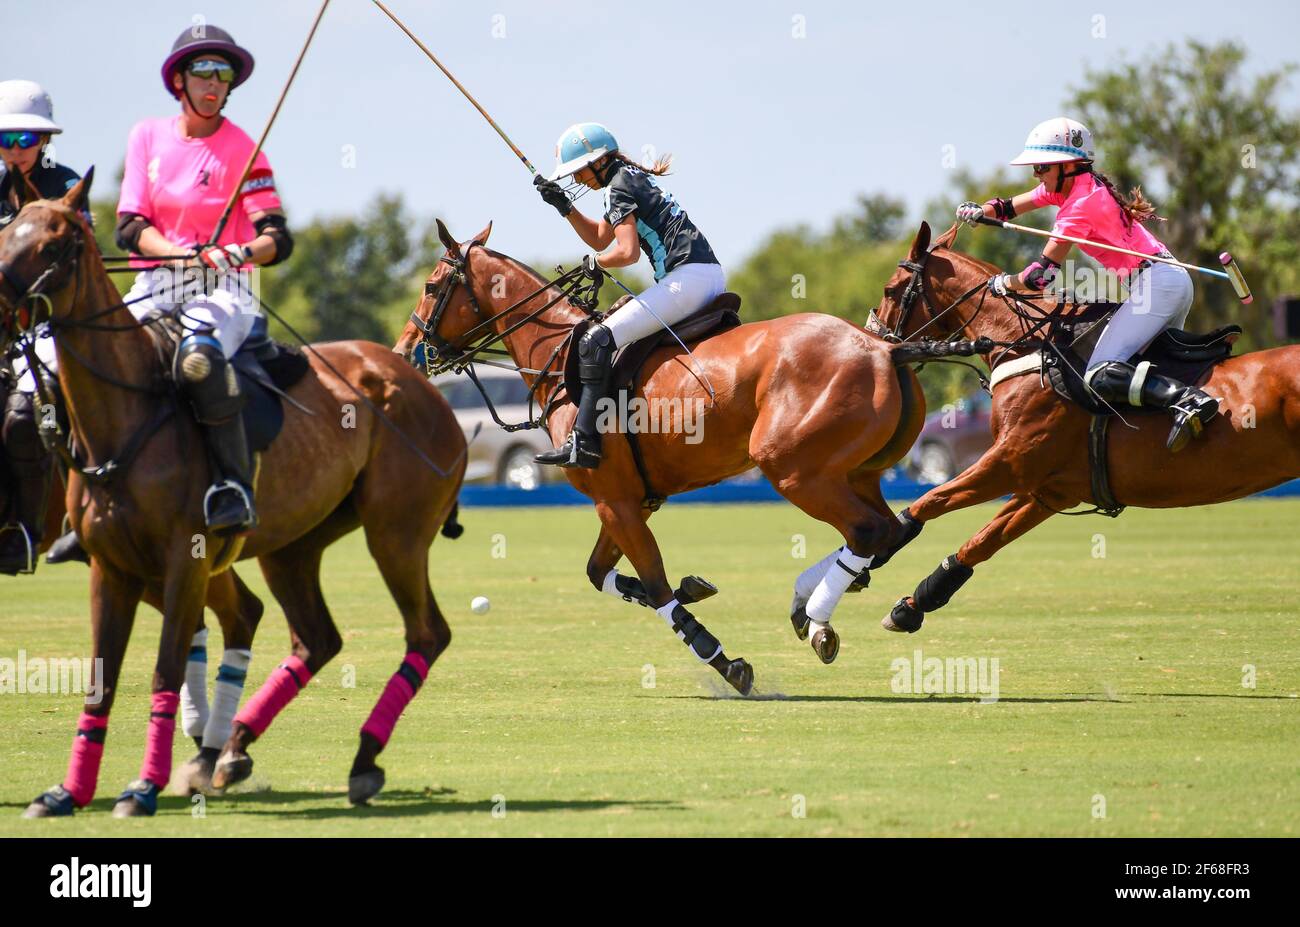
[(1122, 708)]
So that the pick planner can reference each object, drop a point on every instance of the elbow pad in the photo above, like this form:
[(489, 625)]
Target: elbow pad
[(1040, 274), (127, 233), (276, 229)]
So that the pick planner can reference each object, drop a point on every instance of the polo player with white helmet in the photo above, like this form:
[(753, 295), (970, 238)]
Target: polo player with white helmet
[(1160, 295), (638, 216), (26, 126)]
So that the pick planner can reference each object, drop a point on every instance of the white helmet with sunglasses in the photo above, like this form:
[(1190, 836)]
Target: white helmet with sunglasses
[(1057, 141)]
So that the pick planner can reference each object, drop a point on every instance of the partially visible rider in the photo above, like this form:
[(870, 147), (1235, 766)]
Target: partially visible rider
[(26, 128), (638, 216), (1060, 152)]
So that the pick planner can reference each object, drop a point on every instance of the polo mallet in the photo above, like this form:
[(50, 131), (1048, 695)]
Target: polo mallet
[(1231, 272), (459, 86), (234, 194)]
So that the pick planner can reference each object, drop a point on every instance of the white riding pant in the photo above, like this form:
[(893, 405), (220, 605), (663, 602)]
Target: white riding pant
[(1160, 297), (229, 310), (680, 292), (45, 353)]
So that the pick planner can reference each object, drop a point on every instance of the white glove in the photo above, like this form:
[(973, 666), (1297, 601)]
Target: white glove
[(970, 213), (998, 283), (224, 260)]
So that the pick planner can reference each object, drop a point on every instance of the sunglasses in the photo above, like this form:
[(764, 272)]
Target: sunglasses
[(206, 67), (1043, 168), (23, 140)]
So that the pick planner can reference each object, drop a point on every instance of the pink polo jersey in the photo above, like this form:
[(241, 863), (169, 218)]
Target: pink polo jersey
[(1091, 212), (181, 184)]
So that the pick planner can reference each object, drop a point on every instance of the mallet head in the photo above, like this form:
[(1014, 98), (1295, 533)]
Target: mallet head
[(1235, 277)]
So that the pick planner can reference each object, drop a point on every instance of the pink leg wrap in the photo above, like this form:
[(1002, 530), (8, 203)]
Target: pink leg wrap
[(87, 751), (397, 695), (157, 765), (278, 690)]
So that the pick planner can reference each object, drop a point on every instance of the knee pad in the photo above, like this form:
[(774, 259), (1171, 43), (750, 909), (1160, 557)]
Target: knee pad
[(207, 379), (936, 589), (595, 352), (22, 439)]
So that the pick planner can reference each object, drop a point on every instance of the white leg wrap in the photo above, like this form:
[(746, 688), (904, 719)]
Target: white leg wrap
[(807, 582), (845, 568), (194, 691), (608, 585), (225, 696)]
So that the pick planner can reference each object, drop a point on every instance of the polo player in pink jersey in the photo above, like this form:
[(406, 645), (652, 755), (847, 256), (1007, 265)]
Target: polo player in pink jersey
[(180, 172), (1160, 295)]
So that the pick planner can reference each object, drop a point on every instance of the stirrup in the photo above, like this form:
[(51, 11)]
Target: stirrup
[(28, 566), (571, 455), (1191, 413), (247, 519)]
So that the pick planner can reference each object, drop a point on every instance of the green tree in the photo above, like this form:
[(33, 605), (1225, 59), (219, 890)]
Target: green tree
[(353, 277)]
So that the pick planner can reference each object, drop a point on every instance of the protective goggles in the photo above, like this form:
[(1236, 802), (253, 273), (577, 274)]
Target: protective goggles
[(23, 140), (206, 67)]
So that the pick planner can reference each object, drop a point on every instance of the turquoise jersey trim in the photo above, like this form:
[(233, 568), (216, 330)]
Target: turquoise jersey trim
[(658, 253)]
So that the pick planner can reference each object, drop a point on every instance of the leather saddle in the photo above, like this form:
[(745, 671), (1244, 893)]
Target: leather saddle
[(723, 314), (1185, 356), (266, 370)]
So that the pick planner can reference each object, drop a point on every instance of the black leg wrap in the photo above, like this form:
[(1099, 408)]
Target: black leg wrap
[(694, 635), (910, 528), (936, 589), (630, 588)]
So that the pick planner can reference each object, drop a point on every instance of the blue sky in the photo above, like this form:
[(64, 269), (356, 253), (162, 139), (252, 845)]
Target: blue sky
[(767, 129)]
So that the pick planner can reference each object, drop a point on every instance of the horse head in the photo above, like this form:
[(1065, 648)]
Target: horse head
[(39, 253)]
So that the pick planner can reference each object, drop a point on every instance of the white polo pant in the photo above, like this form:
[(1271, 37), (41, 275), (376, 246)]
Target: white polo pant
[(680, 292), (1160, 297)]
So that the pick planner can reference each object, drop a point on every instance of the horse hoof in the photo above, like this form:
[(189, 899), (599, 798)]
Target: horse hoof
[(194, 776), (903, 618), (140, 800), (799, 619), (826, 644), (231, 768), (365, 786), (741, 676), (55, 803), (694, 589)]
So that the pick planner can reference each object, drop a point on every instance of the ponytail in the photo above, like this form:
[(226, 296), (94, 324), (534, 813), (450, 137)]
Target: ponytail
[(659, 168), (1136, 208)]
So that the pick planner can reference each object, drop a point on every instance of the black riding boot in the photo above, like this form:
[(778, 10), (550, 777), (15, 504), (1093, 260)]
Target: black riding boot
[(213, 390), (30, 465), (595, 359), (1124, 384)]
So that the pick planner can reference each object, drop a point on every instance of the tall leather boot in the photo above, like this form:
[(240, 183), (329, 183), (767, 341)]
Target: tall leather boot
[(595, 363), (30, 465), (210, 383), (1124, 384)]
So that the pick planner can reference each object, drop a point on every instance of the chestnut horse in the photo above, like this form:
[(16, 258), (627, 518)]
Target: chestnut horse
[(1040, 449), (812, 400), (339, 466)]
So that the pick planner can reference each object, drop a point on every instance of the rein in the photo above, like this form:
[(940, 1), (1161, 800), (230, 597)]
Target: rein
[(576, 286)]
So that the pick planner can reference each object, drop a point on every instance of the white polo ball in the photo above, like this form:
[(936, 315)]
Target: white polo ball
[(480, 605)]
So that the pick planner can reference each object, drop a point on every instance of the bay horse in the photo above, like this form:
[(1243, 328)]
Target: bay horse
[(137, 503), (812, 400), (1040, 454)]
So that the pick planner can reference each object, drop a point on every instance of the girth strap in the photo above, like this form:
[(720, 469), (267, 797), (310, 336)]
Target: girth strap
[(1099, 472)]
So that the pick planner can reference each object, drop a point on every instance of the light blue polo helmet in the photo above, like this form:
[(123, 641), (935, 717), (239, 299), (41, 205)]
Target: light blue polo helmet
[(579, 146)]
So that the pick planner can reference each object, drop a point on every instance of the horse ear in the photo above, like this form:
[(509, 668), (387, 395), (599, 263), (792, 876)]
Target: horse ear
[(482, 237), (947, 238), (22, 190), (921, 243), (448, 242), (78, 197)]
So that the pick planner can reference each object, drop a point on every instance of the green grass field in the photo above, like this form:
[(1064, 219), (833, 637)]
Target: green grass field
[(1121, 682)]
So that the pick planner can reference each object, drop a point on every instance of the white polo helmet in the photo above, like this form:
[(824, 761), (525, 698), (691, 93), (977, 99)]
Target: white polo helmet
[(26, 107), (1056, 141)]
